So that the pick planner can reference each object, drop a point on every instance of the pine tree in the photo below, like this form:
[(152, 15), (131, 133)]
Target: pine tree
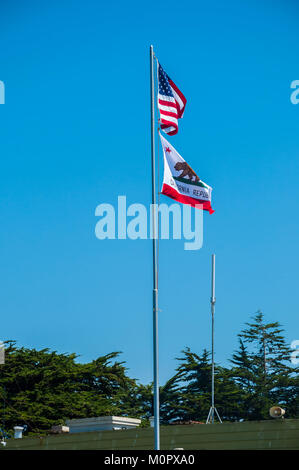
[(243, 375), (195, 377), (171, 399), (261, 368)]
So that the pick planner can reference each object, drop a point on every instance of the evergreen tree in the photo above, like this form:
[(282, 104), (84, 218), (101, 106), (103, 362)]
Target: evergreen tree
[(195, 377), (228, 395), (171, 399), (262, 368), (242, 373), (43, 388)]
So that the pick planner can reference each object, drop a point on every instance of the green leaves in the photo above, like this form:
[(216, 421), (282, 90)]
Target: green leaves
[(44, 388), (261, 367)]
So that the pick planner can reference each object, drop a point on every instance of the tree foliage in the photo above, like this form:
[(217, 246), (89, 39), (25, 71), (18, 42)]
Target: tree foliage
[(44, 388), (261, 368)]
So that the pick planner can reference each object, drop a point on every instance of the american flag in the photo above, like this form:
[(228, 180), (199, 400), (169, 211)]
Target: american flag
[(171, 103)]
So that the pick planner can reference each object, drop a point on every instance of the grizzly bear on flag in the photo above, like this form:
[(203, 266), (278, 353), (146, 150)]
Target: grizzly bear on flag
[(186, 171)]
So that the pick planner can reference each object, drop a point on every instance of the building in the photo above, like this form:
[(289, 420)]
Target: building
[(102, 423)]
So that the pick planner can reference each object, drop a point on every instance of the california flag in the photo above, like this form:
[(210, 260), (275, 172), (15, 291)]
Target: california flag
[(181, 183)]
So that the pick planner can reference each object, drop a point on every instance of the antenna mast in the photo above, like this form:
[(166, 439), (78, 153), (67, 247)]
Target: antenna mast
[(213, 409)]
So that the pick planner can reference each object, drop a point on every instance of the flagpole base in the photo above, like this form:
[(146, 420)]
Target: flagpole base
[(211, 415)]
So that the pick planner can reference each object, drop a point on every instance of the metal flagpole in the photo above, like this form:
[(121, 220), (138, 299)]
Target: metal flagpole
[(155, 273), (213, 410)]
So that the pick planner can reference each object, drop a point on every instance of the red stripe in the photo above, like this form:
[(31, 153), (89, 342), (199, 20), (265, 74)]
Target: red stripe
[(174, 132), (191, 201), (165, 123), (178, 92), (169, 132), (181, 110), (171, 104), (168, 113)]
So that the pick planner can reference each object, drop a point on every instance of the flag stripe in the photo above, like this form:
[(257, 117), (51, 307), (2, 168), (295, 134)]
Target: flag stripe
[(170, 119), (179, 96), (167, 104), (168, 99), (169, 130), (173, 194), (171, 102), (168, 109), (167, 126), (171, 114)]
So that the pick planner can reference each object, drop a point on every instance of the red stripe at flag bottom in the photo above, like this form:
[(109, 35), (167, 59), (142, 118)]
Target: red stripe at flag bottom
[(191, 201)]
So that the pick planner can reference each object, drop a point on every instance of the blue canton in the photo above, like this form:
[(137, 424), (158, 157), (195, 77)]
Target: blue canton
[(164, 87)]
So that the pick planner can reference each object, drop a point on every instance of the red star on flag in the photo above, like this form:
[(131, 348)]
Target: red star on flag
[(167, 149)]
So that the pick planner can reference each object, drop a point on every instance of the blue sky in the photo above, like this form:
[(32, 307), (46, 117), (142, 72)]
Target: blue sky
[(75, 133)]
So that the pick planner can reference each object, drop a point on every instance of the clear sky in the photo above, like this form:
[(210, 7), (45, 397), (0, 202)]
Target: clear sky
[(75, 132)]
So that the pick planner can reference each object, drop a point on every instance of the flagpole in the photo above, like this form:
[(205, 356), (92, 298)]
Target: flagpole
[(155, 273)]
